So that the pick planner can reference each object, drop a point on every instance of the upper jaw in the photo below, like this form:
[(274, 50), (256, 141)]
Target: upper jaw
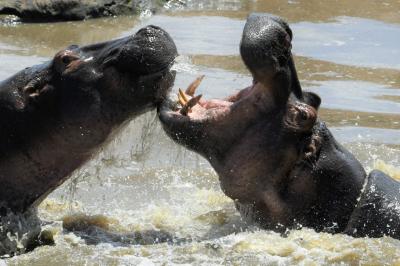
[(265, 43), (149, 51)]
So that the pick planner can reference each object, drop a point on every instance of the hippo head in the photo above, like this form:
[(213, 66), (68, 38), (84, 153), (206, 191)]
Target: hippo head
[(273, 109), (254, 138), (55, 116), (127, 75), (93, 88)]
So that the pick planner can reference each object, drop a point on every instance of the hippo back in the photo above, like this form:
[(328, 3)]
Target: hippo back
[(378, 210)]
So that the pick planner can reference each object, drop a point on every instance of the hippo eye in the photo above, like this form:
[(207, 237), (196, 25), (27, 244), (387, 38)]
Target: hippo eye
[(68, 58)]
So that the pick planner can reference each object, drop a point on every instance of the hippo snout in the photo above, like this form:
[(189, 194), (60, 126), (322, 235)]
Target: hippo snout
[(149, 51)]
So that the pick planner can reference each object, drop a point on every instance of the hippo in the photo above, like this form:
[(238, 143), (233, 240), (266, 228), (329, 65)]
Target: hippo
[(275, 158), (56, 115)]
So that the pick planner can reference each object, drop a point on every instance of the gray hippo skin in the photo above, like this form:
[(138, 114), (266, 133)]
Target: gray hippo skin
[(275, 159), (55, 116), (53, 10)]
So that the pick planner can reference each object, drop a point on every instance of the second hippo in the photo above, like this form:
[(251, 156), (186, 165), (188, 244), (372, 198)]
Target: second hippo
[(274, 158)]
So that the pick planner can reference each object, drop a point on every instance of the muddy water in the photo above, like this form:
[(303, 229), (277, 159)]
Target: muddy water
[(346, 51)]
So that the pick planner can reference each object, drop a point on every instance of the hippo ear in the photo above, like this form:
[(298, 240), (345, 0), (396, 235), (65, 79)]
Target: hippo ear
[(312, 99)]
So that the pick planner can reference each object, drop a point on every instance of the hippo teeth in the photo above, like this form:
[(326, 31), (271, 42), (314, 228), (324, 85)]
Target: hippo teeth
[(187, 99), (191, 89), (188, 106), (182, 97)]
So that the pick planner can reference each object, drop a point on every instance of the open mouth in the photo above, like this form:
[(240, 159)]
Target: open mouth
[(193, 107), (247, 103)]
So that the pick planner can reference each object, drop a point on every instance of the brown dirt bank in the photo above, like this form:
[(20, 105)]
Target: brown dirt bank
[(62, 10)]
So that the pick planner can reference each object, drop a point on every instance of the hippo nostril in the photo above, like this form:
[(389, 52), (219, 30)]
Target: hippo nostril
[(68, 57)]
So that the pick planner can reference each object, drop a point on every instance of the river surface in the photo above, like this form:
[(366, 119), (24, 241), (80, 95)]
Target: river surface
[(346, 51)]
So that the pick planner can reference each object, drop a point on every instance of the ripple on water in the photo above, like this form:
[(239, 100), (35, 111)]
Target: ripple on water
[(367, 135), (11, 64), (348, 40), (357, 96), (201, 34)]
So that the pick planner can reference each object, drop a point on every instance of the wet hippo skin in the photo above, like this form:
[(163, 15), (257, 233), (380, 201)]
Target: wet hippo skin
[(378, 210), (55, 116), (274, 158)]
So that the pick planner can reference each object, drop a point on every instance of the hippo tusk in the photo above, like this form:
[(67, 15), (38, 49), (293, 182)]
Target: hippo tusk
[(192, 102), (186, 99), (182, 98), (191, 89), (183, 95)]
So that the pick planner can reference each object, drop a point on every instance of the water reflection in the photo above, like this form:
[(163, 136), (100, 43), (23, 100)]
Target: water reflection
[(350, 41), (367, 135), (10, 64), (201, 34), (47, 38), (324, 10), (370, 43), (309, 70), (336, 117), (356, 96), (296, 10)]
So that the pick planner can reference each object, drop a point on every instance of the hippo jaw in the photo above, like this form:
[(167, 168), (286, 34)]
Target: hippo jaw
[(211, 127), (255, 138)]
